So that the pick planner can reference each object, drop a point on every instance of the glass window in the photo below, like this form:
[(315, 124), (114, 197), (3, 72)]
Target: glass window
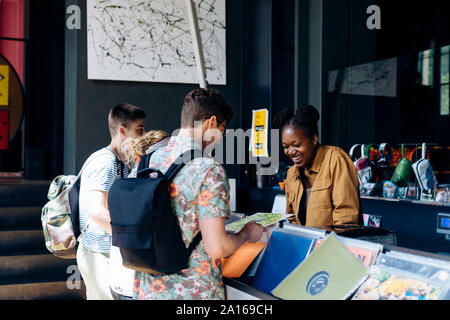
[(445, 100), (426, 65), (445, 81)]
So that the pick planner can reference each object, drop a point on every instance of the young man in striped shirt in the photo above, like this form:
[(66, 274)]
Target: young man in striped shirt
[(105, 167)]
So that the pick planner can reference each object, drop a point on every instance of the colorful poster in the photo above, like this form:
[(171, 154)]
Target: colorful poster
[(331, 272), (4, 85), (264, 219), (260, 135), (284, 252)]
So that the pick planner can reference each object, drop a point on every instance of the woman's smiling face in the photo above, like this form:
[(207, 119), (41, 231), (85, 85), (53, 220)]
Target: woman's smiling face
[(298, 146)]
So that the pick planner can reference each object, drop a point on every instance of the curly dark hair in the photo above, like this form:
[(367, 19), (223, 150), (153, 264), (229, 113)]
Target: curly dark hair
[(202, 104), (306, 117)]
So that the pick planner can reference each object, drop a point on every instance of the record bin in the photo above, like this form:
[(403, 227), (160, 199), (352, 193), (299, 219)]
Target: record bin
[(246, 288)]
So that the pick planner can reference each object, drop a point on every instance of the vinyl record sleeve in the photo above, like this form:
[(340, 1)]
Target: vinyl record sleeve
[(331, 272), (364, 251), (387, 283), (251, 270), (235, 265), (429, 268), (283, 253)]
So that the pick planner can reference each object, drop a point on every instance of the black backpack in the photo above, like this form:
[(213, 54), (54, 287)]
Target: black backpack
[(144, 226)]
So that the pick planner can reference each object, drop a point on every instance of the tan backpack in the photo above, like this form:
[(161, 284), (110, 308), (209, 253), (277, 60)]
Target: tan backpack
[(60, 217)]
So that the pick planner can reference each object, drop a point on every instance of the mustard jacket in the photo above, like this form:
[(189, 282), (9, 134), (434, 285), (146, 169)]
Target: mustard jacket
[(334, 198)]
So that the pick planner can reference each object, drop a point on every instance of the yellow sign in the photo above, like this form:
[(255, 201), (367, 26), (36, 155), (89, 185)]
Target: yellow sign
[(259, 138), (4, 85)]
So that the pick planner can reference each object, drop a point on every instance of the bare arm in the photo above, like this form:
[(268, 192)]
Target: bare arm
[(220, 244), (99, 212)]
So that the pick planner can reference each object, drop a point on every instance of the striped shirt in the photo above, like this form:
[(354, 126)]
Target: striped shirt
[(101, 172)]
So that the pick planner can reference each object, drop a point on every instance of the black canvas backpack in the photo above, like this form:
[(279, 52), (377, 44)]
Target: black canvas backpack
[(143, 223)]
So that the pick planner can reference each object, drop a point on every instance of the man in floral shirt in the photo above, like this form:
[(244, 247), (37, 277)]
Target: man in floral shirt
[(201, 201)]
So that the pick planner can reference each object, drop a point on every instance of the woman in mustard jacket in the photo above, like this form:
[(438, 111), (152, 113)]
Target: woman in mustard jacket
[(322, 187)]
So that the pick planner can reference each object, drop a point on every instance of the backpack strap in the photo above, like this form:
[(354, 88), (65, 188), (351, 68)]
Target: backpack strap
[(74, 192), (194, 243), (180, 162), (170, 174), (145, 162)]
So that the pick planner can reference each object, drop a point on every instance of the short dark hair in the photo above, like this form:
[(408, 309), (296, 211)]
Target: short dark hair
[(202, 104), (306, 118), (123, 114)]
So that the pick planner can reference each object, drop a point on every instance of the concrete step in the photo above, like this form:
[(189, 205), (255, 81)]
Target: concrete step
[(12, 218), (12, 268), (22, 242), (56, 290), (23, 193), (27, 270)]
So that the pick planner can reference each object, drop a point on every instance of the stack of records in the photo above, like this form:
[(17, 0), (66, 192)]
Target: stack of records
[(401, 276), (283, 253), (366, 252), (302, 232), (236, 264), (331, 272)]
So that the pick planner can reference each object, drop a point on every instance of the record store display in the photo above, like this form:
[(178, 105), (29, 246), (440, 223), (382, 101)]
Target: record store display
[(392, 284), (365, 252), (331, 272), (302, 264)]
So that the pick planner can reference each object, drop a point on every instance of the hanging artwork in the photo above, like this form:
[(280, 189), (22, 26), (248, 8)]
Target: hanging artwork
[(136, 40)]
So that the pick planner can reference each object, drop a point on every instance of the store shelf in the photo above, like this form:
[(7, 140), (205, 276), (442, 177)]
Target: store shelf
[(423, 202), (415, 222)]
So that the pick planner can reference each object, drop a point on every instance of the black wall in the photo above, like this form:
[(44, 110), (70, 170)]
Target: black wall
[(44, 89), (407, 27), (161, 102), (260, 60), (262, 72), (67, 116), (67, 113), (347, 119)]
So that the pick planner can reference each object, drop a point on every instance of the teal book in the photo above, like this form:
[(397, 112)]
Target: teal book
[(331, 272)]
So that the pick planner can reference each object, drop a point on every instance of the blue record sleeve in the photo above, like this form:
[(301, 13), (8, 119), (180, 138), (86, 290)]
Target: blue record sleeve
[(284, 252)]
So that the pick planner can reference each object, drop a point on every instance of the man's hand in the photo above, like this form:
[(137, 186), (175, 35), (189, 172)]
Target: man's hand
[(254, 231), (219, 244)]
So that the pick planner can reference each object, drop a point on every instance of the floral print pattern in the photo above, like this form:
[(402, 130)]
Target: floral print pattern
[(199, 191)]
